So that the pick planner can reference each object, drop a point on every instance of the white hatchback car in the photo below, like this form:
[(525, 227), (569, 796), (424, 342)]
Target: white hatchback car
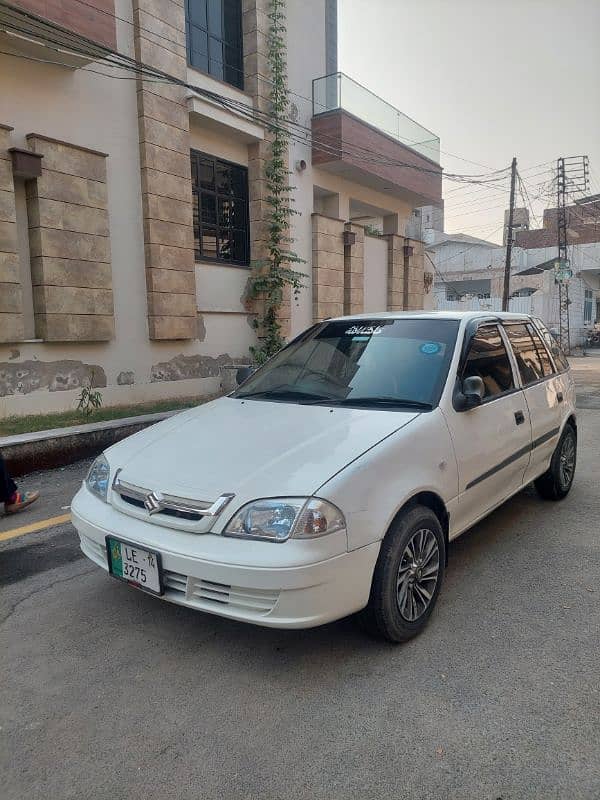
[(331, 481)]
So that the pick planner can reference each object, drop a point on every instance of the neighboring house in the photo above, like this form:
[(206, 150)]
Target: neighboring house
[(469, 272), (131, 210)]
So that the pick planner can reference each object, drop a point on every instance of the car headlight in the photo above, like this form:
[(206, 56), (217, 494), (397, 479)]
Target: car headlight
[(280, 518), (98, 477)]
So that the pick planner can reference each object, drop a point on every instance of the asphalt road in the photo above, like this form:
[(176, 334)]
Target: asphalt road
[(106, 692)]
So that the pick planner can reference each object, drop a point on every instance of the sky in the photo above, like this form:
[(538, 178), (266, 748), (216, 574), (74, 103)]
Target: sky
[(493, 79)]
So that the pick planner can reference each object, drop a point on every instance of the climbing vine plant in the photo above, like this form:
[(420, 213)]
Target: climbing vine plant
[(273, 274)]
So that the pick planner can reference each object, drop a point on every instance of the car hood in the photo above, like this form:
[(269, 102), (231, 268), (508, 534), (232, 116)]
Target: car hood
[(251, 448)]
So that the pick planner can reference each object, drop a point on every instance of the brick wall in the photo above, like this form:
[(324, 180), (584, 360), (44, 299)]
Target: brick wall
[(94, 19)]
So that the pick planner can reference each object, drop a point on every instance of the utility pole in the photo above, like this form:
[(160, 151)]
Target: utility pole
[(509, 238), (573, 171)]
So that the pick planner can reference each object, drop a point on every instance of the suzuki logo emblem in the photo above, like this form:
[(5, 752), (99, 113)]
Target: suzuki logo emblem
[(153, 503)]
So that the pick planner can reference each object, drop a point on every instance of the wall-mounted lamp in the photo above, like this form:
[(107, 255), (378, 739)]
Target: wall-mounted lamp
[(349, 238), (408, 250)]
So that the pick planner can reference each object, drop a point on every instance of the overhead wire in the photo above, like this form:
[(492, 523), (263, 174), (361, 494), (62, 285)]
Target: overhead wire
[(299, 132)]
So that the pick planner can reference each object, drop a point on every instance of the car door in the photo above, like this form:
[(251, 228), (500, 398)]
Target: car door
[(492, 440), (545, 392)]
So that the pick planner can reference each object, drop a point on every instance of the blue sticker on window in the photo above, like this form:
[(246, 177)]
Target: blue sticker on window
[(430, 348)]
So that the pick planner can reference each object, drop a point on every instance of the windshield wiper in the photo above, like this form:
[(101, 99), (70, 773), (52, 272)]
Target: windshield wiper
[(283, 394), (381, 402)]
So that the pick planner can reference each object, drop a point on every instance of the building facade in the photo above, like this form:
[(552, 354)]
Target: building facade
[(134, 137), (470, 271)]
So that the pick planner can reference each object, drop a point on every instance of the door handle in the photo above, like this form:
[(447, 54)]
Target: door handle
[(559, 397), (519, 417)]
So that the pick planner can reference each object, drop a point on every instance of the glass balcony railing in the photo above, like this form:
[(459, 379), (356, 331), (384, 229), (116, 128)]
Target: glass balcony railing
[(338, 91)]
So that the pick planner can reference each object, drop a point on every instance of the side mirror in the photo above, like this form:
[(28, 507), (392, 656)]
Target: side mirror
[(470, 394), (243, 374)]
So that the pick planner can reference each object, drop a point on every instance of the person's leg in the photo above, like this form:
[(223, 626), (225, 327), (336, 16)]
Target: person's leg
[(13, 499), (7, 486)]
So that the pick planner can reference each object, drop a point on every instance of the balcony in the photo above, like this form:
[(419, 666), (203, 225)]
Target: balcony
[(358, 135), (53, 31)]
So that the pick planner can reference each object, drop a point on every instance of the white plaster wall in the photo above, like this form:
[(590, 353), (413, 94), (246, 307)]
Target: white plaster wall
[(96, 112), (376, 272), (218, 142), (306, 60)]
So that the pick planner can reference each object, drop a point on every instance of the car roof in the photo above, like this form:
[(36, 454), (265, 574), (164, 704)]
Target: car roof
[(457, 315)]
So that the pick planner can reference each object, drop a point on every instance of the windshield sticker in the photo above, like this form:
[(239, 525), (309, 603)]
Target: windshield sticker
[(430, 348), (364, 330)]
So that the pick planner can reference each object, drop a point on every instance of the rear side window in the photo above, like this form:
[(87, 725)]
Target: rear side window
[(553, 346), (533, 366), (487, 358), (542, 351)]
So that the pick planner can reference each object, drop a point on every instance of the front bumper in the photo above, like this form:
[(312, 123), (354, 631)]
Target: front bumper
[(281, 595)]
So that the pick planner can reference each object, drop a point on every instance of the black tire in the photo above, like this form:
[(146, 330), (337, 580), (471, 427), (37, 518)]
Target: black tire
[(387, 613), (556, 482)]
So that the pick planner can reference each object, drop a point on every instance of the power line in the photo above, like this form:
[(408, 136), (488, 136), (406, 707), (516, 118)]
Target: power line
[(139, 65), (302, 133)]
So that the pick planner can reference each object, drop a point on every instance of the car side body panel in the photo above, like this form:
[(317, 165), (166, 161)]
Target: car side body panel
[(372, 489)]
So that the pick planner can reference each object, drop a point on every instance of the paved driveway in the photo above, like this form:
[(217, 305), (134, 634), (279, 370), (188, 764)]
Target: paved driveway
[(108, 693)]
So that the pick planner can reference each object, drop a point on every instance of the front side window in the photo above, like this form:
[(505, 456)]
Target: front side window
[(214, 38), (532, 358), (378, 363), (487, 359), (220, 204)]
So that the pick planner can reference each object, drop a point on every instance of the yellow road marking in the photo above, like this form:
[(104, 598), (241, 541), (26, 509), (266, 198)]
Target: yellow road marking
[(34, 527)]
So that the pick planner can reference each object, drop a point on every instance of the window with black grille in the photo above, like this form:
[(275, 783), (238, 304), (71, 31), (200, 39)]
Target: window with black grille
[(220, 199), (214, 38)]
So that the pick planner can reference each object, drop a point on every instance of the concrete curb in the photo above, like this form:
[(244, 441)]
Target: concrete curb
[(56, 448)]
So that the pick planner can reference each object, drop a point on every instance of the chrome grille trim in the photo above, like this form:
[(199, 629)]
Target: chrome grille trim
[(155, 501)]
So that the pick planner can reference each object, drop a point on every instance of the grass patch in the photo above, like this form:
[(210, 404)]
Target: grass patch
[(11, 426)]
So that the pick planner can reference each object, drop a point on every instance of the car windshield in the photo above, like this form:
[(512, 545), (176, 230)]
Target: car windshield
[(378, 363)]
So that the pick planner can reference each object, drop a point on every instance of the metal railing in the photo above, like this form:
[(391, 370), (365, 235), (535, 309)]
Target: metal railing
[(338, 91)]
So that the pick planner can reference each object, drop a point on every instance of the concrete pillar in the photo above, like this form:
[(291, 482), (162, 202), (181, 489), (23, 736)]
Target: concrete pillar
[(328, 267), (395, 272), (354, 267), (11, 294), (164, 137)]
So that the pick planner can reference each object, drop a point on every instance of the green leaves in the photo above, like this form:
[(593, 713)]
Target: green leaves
[(89, 399), (274, 274)]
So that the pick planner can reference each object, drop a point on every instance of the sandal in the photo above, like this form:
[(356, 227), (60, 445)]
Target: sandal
[(19, 501)]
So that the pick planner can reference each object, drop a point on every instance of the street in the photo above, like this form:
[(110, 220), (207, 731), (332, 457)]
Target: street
[(109, 693)]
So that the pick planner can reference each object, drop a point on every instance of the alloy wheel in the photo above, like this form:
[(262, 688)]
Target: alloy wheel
[(567, 461), (418, 574)]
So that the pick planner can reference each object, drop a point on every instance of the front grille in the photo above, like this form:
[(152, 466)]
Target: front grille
[(167, 512), (204, 593)]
